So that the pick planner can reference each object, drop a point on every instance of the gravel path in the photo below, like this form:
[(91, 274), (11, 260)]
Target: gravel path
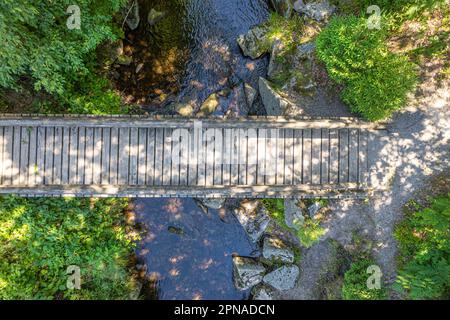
[(422, 133)]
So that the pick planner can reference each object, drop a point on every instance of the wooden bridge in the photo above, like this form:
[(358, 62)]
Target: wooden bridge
[(136, 156)]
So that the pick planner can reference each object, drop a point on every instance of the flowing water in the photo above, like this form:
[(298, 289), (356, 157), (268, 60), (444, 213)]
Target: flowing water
[(188, 54)]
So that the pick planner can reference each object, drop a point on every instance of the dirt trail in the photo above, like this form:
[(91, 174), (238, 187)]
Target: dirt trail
[(422, 133)]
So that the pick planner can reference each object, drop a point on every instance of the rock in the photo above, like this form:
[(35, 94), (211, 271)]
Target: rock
[(184, 109), (250, 94), (124, 60), (132, 15), (318, 10), (305, 51), (209, 105), (255, 43), (275, 250), (274, 103), (253, 218), (284, 8), (139, 67), (283, 278), (314, 208), (247, 272), (262, 292), (275, 65), (213, 203), (154, 17), (293, 214), (175, 230)]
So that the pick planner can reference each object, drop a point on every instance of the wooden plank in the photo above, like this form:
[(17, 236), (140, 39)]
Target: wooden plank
[(176, 157), (201, 164), (167, 161), (363, 167), (343, 155), (252, 157), (24, 155), (234, 173), (97, 156), (243, 148), (218, 156), (316, 156), (184, 157), (65, 152), (280, 158), (307, 155), (209, 167), (150, 176), (106, 155), (114, 157), (81, 155), (193, 157), (15, 168), (134, 151), (124, 155), (271, 156), (2, 154), (325, 163), (40, 156), (57, 155), (353, 156), (288, 157), (49, 141), (159, 151), (142, 156), (334, 156), (227, 156), (298, 157), (261, 169), (32, 166)]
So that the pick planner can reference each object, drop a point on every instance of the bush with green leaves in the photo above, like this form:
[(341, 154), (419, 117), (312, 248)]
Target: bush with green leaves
[(41, 237), (37, 44), (424, 243), (355, 283), (376, 82)]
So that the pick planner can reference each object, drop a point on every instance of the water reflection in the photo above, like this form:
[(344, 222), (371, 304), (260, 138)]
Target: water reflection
[(188, 251)]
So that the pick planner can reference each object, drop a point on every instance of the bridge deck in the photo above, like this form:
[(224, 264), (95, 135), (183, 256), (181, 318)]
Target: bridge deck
[(169, 157)]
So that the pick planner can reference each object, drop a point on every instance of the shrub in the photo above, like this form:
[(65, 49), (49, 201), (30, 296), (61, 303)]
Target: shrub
[(355, 283), (40, 238), (424, 243), (36, 42), (376, 81)]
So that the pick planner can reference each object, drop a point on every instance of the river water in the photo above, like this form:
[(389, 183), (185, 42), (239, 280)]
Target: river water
[(189, 54)]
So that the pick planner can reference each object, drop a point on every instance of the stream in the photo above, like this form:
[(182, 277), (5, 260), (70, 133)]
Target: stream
[(188, 54)]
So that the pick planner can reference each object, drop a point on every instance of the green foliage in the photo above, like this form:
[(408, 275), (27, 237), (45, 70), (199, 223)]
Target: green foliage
[(287, 31), (36, 42), (309, 233), (376, 81), (40, 238), (355, 283), (424, 242)]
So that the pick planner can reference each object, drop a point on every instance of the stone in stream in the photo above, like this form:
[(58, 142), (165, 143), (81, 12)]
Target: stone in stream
[(250, 94), (275, 250), (318, 10), (262, 292), (247, 272), (274, 103), (209, 106), (253, 218), (284, 8), (276, 67), (283, 278), (255, 43), (213, 203), (293, 216)]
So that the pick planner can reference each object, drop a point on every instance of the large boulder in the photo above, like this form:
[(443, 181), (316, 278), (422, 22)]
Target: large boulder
[(247, 272), (255, 43), (262, 292), (284, 8), (253, 217), (213, 203), (274, 249), (209, 105), (318, 10), (293, 215), (283, 278), (274, 103), (250, 94)]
